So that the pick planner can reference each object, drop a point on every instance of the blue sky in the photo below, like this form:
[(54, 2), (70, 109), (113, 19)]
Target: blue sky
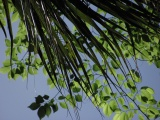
[(15, 97)]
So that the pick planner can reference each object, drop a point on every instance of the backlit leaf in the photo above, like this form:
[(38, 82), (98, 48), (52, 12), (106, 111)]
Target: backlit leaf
[(63, 105), (140, 117), (4, 70), (107, 110)]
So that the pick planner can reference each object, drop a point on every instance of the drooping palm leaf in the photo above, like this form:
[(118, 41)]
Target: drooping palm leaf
[(44, 24)]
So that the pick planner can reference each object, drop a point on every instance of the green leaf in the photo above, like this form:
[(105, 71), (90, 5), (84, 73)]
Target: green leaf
[(54, 108), (107, 90), (61, 97), (158, 104), (131, 105), (120, 77), (78, 98), (32, 71), (106, 98), (140, 117), (107, 110), (39, 99), (34, 106), (5, 70), (41, 112), (63, 105), (15, 16), (44, 71), (116, 64), (8, 42), (148, 89), (157, 63), (95, 68), (6, 63), (76, 89), (125, 107), (95, 87), (143, 108), (47, 109), (124, 116), (46, 97), (121, 100), (117, 116), (113, 105), (89, 72)]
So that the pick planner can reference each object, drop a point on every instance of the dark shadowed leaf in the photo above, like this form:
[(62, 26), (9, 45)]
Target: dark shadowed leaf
[(78, 98), (41, 112), (47, 109), (39, 99), (46, 97), (54, 108), (34, 106)]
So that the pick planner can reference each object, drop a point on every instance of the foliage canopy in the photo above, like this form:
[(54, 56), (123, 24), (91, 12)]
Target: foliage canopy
[(93, 58)]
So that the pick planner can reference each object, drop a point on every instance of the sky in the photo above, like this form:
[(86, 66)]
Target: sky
[(15, 97)]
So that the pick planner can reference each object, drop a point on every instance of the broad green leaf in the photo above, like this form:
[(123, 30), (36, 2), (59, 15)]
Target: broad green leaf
[(113, 105), (47, 109), (151, 102), (61, 97), (8, 42), (41, 112), (61, 83), (124, 116), (78, 98), (6, 63), (15, 16), (95, 68), (54, 108), (5, 70), (116, 64), (32, 70), (153, 110), (94, 87), (107, 110), (34, 106), (89, 72), (130, 115), (107, 90), (131, 105), (105, 98), (76, 89), (121, 100), (143, 108), (146, 94), (150, 90), (125, 107), (120, 77), (24, 74), (63, 105), (117, 116), (49, 81), (158, 104), (140, 117)]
